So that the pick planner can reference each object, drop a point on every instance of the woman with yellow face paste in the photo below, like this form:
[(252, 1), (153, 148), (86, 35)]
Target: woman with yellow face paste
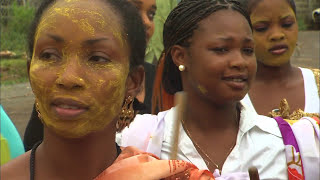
[(85, 68), (147, 10), (275, 31)]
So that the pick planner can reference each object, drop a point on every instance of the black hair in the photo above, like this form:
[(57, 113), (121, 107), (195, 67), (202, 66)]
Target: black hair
[(253, 3), (179, 28), (132, 24)]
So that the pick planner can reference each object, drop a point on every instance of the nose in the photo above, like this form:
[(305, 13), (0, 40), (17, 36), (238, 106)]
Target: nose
[(276, 35), (146, 21), (238, 61), (70, 76)]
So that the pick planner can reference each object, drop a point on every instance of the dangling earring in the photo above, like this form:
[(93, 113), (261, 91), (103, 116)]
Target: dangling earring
[(127, 114), (182, 67), (38, 111)]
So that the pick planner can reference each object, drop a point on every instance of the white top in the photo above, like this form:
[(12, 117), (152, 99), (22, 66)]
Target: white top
[(312, 99), (259, 143)]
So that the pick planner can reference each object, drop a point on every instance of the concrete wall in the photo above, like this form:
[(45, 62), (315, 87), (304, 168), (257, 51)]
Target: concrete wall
[(304, 11), (307, 52)]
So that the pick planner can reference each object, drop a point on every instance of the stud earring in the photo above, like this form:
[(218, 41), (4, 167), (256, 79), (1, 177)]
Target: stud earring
[(127, 114), (182, 67)]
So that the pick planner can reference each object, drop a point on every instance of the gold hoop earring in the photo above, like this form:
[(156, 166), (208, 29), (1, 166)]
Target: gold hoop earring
[(182, 67), (127, 114)]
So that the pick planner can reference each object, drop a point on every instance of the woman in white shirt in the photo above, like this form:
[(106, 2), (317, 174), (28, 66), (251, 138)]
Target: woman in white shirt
[(275, 32), (210, 55)]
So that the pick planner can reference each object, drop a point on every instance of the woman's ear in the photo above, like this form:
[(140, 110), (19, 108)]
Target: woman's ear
[(134, 81), (179, 54)]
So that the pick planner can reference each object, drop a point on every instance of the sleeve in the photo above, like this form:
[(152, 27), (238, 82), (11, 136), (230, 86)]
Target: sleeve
[(306, 132), (138, 133), (5, 151), (11, 134)]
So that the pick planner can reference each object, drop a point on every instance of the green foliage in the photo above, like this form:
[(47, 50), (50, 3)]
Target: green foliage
[(13, 71), (302, 24), (14, 32)]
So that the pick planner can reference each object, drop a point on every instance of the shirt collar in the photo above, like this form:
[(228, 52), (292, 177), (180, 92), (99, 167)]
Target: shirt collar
[(250, 119)]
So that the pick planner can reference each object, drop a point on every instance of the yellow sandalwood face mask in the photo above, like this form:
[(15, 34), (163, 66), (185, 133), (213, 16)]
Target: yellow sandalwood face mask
[(275, 32), (79, 67)]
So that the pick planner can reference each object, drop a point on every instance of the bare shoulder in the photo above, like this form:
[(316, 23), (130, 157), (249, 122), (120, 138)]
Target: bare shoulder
[(17, 169)]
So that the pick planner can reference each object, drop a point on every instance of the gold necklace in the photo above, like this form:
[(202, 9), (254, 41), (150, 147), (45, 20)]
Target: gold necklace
[(203, 152)]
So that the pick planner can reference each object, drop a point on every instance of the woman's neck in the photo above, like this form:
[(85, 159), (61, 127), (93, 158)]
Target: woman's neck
[(83, 158), (205, 115), (272, 73)]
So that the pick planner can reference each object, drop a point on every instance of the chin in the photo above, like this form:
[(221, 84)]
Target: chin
[(239, 97), (73, 130), (275, 63)]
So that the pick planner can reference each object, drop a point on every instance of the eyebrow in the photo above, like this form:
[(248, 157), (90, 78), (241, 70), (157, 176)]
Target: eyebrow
[(56, 38), (267, 21), (139, 3), (285, 17), (154, 7), (246, 40), (93, 41)]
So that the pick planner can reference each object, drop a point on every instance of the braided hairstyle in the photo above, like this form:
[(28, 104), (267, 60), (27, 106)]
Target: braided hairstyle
[(179, 28)]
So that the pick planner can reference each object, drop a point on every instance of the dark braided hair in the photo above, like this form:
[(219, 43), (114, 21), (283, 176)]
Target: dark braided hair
[(132, 29), (253, 3), (179, 28)]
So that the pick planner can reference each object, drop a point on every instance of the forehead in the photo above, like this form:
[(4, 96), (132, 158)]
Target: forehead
[(146, 3), (223, 21), (271, 9), (90, 16)]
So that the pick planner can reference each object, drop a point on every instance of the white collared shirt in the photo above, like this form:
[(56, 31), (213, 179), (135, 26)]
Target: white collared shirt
[(259, 143)]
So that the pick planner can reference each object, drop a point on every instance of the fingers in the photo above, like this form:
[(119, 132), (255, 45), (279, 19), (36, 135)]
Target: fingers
[(253, 173), (132, 151)]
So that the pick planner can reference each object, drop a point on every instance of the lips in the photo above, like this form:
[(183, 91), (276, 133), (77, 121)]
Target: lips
[(236, 81), (278, 49), (67, 108)]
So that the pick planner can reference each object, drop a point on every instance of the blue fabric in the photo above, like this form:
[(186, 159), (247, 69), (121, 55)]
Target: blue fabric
[(9, 131)]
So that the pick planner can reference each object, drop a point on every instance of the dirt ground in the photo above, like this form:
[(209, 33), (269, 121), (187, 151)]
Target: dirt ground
[(18, 99)]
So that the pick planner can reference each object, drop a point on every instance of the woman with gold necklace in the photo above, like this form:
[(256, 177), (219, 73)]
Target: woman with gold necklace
[(209, 54)]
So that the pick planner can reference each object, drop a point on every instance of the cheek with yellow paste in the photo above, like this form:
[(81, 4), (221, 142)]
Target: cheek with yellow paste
[(202, 89), (266, 58), (42, 76), (107, 96)]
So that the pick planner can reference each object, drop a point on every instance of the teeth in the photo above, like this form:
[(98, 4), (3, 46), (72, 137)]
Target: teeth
[(235, 79), (67, 106)]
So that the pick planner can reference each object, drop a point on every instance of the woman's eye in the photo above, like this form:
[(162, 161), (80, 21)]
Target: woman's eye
[(287, 25), (260, 29), (49, 55), (151, 15), (220, 50), (248, 51), (99, 59)]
